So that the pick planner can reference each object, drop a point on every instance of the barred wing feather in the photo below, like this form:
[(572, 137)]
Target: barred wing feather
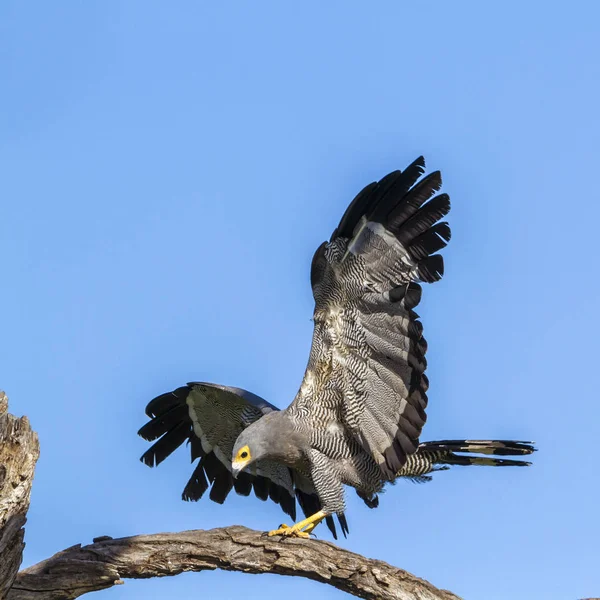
[(367, 360)]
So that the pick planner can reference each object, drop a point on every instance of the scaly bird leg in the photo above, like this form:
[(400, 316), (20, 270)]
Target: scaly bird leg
[(302, 528)]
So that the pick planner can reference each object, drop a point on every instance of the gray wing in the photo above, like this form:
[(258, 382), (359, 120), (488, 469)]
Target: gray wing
[(367, 360), (210, 417)]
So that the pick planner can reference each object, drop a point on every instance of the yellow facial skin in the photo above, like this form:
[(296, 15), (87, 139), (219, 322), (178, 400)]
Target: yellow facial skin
[(242, 458)]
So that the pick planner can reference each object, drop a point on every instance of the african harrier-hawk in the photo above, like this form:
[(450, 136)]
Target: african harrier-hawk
[(358, 415)]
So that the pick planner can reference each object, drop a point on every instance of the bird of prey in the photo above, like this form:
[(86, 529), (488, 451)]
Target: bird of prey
[(358, 415)]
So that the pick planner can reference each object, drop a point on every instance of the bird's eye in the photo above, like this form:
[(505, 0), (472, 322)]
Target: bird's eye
[(243, 454)]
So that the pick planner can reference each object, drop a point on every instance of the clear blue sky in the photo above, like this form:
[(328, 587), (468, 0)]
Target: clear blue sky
[(168, 170)]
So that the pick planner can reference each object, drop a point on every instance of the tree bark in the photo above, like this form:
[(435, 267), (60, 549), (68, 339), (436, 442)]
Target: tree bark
[(19, 451), (78, 570), (104, 563)]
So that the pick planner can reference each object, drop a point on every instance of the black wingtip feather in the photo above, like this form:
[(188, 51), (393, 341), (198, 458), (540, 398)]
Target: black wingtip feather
[(343, 524), (410, 175), (410, 293), (386, 191), (431, 269), (221, 486), (212, 466), (274, 493), (288, 504), (423, 219), (354, 212), (196, 486), (413, 295), (243, 484), (167, 444), (415, 329), (430, 242), (164, 422), (331, 525), (261, 487), (413, 200), (165, 402)]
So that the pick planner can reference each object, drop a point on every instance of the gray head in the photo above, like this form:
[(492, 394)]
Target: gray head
[(271, 437)]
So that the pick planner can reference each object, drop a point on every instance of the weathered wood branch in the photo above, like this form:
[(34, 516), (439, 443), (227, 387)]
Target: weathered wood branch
[(105, 563), (19, 451)]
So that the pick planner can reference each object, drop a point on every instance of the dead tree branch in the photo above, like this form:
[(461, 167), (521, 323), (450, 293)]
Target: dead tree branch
[(105, 563), (19, 451)]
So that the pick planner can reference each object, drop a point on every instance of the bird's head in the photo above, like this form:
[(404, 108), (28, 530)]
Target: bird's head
[(252, 445), (272, 436)]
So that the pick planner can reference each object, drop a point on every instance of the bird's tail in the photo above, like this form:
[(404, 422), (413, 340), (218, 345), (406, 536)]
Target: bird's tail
[(460, 452), (441, 455)]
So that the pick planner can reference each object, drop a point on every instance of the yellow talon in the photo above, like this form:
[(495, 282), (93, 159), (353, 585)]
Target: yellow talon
[(288, 532), (310, 527), (301, 529)]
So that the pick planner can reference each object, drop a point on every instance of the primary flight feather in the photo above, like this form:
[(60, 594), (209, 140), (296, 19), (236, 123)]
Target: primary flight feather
[(358, 415)]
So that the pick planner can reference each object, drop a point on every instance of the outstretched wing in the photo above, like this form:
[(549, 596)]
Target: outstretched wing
[(210, 417), (367, 361)]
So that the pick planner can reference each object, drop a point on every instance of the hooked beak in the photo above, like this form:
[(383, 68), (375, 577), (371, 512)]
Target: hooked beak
[(237, 466)]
